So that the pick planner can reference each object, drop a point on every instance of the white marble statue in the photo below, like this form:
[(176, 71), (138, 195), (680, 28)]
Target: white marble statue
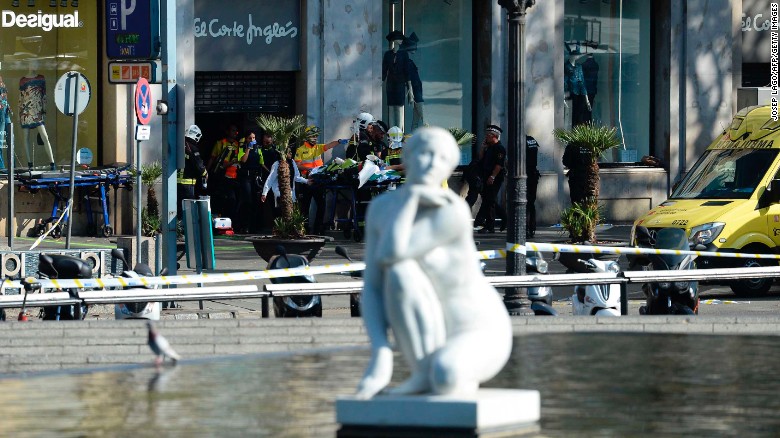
[(423, 282)]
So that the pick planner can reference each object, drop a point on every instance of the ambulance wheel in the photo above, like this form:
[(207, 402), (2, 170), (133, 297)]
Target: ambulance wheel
[(107, 231), (56, 232), (752, 287)]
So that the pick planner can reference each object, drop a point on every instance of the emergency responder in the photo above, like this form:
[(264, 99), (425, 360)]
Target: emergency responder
[(194, 171), (393, 154), (224, 164), (309, 157)]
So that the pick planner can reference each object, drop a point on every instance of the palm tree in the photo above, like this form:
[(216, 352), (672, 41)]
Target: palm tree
[(285, 130), (584, 145), (150, 216)]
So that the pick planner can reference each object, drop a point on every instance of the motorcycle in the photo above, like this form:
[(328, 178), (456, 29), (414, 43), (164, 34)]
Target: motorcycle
[(593, 299), (59, 266), (297, 305), (541, 297), (667, 297), (139, 310)]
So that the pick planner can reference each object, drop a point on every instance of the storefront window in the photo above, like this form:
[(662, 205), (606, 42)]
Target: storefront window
[(439, 44), (606, 55), (40, 41)]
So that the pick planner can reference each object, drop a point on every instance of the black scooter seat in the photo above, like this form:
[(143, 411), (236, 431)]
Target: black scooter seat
[(63, 266)]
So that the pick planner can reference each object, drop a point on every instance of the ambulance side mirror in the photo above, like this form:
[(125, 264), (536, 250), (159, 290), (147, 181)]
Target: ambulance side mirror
[(774, 191)]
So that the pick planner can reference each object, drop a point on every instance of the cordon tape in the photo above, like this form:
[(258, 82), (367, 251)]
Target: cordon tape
[(349, 267)]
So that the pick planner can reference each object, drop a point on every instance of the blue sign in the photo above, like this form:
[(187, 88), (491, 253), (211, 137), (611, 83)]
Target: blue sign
[(132, 29)]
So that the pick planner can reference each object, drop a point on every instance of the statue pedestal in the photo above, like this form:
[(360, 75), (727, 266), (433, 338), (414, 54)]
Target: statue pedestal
[(501, 412)]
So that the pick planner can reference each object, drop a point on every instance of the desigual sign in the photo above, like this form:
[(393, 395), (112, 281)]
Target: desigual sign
[(46, 22)]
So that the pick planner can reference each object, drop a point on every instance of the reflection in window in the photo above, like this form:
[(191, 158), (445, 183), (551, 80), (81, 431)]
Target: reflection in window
[(606, 58), (443, 60)]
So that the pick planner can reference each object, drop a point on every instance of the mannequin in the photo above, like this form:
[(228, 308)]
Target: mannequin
[(415, 88), (574, 89), (590, 72), (32, 109), (395, 77)]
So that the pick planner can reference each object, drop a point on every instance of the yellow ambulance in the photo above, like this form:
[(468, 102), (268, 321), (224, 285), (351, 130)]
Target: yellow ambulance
[(730, 200)]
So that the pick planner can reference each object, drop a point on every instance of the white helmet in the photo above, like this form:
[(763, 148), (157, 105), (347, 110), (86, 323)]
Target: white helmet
[(194, 133), (363, 119), (396, 134)]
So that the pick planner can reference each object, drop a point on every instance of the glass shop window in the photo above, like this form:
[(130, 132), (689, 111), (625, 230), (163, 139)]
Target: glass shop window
[(438, 41), (41, 40), (606, 51)]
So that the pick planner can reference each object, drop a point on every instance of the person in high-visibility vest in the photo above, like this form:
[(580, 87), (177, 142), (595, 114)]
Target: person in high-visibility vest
[(194, 171), (307, 158), (224, 163)]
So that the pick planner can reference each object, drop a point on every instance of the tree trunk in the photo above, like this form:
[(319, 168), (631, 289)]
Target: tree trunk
[(285, 190), (592, 190), (592, 181)]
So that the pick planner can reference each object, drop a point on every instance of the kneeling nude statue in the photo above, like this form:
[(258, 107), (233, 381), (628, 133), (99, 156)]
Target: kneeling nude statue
[(423, 282)]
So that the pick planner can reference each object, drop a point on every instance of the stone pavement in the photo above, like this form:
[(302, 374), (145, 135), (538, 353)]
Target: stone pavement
[(47, 346), (234, 327)]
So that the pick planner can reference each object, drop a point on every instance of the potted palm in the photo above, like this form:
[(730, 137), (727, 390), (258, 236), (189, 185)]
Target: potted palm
[(289, 229), (150, 215), (584, 145)]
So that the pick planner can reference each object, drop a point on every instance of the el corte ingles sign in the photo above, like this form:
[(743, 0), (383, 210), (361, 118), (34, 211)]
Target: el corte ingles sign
[(755, 31), (248, 35)]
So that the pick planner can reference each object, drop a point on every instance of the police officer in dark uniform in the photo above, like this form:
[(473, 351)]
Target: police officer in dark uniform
[(194, 171), (493, 171), (532, 173)]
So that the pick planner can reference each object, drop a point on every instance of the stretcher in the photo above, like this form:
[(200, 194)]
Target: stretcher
[(92, 184), (356, 202)]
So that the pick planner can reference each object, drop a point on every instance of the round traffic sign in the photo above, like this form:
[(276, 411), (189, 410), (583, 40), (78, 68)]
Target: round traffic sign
[(143, 101), (72, 93), (84, 156)]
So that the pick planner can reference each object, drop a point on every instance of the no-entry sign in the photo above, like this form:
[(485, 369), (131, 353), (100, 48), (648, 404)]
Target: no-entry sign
[(143, 101)]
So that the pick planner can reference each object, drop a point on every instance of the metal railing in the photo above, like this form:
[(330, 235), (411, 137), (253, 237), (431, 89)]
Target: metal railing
[(350, 287)]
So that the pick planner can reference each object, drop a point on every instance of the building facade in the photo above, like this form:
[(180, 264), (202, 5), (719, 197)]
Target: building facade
[(664, 73)]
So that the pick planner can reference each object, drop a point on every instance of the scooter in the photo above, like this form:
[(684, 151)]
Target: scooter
[(667, 297), (59, 266), (541, 297), (139, 310), (298, 305), (593, 299)]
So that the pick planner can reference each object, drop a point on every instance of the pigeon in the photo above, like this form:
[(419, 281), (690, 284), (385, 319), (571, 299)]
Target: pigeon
[(160, 346)]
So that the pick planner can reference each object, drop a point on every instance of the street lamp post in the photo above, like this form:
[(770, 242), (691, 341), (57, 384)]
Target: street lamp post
[(516, 299)]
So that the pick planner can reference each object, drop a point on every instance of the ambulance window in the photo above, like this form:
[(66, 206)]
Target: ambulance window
[(726, 174)]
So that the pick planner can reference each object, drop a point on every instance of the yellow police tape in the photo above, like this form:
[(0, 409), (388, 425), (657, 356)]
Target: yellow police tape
[(190, 279), (620, 250), (349, 267)]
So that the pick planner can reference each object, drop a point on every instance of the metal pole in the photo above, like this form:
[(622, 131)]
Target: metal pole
[(75, 115), (516, 298), (138, 201), (9, 138), (168, 15)]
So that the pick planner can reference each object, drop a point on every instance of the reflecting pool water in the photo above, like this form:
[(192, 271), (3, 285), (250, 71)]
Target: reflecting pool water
[(591, 384)]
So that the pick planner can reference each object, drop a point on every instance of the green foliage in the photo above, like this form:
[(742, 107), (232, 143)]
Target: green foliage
[(292, 228), (580, 220), (596, 138), (283, 129), (462, 136), (150, 224), (151, 173)]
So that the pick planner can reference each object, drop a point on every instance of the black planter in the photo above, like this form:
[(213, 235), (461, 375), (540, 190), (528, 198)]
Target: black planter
[(309, 246)]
